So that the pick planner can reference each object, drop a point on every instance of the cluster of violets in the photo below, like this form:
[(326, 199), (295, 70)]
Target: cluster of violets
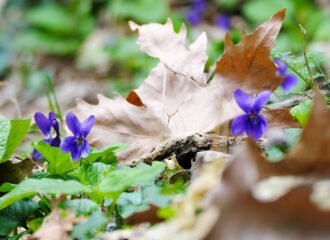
[(195, 15), (77, 144), (251, 122)]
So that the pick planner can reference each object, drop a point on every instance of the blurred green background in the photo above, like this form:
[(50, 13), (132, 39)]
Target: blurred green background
[(91, 40)]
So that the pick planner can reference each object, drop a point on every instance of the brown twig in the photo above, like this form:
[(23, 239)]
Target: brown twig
[(185, 147)]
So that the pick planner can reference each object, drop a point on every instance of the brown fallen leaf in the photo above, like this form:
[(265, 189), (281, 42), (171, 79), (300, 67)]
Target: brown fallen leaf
[(15, 172), (176, 99), (119, 121), (280, 118), (248, 64), (56, 226), (147, 216)]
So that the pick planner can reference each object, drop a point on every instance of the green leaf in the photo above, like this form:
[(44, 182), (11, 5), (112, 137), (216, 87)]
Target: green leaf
[(258, 11), (292, 135), (139, 201), (130, 203), (323, 29), (92, 174), (35, 224), (18, 236), (7, 187), (64, 177), (5, 55), (277, 152), (16, 215), (58, 162), (59, 20), (302, 111), (166, 213), (142, 11), (52, 18), (85, 230), (12, 133), (108, 154), (36, 40), (81, 206), (120, 179), (30, 187), (228, 4)]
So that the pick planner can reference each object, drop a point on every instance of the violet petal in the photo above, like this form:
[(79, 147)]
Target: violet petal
[(256, 129), (73, 123), (42, 122), (290, 81), (260, 100), (223, 22), (193, 17), (76, 152), (243, 100), (87, 125), (281, 67), (238, 125), (68, 144), (36, 156), (85, 149)]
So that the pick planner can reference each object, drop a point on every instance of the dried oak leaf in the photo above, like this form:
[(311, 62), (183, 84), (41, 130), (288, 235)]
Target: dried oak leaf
[(160, 41), (248, 64), (175, 98), (15, 172), (295, 204)]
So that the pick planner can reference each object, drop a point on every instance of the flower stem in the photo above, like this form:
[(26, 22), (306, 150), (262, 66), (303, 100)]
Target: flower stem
[(73, 169), (303, 30)]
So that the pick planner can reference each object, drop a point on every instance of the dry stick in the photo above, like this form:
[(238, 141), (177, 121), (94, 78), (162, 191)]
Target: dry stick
[(303, 30), (188, 145)]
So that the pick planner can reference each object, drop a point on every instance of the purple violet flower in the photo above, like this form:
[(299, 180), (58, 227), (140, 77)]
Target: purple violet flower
[(253, 123), (194, 16), (50, 128), (199, 5), (290, 80), (77, 144), (223, 21)]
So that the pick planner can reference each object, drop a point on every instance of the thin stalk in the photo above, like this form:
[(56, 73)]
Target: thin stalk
[(52, 91), (50, 103), (303, 30), (73, 169), (112, 208)]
